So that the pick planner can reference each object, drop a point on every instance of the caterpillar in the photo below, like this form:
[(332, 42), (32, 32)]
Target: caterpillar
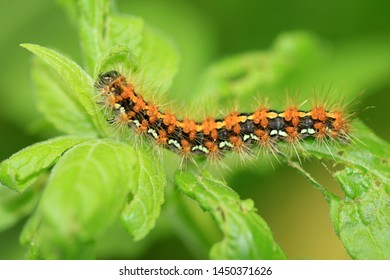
[(212, 137)]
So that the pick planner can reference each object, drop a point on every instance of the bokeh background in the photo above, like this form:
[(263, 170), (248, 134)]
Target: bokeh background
[(356, 32)]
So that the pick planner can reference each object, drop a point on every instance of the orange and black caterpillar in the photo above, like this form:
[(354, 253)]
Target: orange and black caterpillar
[(211, 137)]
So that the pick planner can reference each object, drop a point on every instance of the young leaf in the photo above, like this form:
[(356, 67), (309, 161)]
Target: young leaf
[(159, 60), (140, 214), (93, 24), (21, 169), (118, 55), (79, 82), (85, 192), (153, 70), (125, 30), (123, 45), (246, 235), (58, 104), (100, 31)]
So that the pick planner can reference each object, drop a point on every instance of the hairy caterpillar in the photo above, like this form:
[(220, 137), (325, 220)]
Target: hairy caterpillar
[(212, 137)]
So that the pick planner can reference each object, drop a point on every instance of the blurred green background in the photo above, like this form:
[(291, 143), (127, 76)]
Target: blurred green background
[(356, 35)]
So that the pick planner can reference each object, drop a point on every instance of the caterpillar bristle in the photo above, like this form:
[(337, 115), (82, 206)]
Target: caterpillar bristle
[(238, 132)]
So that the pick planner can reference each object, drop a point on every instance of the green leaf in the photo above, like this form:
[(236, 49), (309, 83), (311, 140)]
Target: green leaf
[(58, 104), (78, 81), (151, 66), (246, 235), (297, 62), (366, 152), (22, 169), (140, 214), (159, 60), (235, 77), (32, 231), (362, 218), (118, 55), (125, 30), (93, 28), (122, 44), (244, 76), (355, 66), (84, 195), (15, 206), (100, 31), (363, 222)]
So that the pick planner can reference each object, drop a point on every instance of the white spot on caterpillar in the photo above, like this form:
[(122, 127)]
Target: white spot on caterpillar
[(282, 133), (246, 137), (174, 143), (200, 148), (225, 143), (311, 131), (254, 137), (153, 132), (136, 122)]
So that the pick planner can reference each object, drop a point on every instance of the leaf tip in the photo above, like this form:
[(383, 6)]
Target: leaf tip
[(26, 45)]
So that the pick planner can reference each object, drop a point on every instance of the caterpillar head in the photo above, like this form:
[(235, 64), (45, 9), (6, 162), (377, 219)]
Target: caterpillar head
[(105, 78)]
